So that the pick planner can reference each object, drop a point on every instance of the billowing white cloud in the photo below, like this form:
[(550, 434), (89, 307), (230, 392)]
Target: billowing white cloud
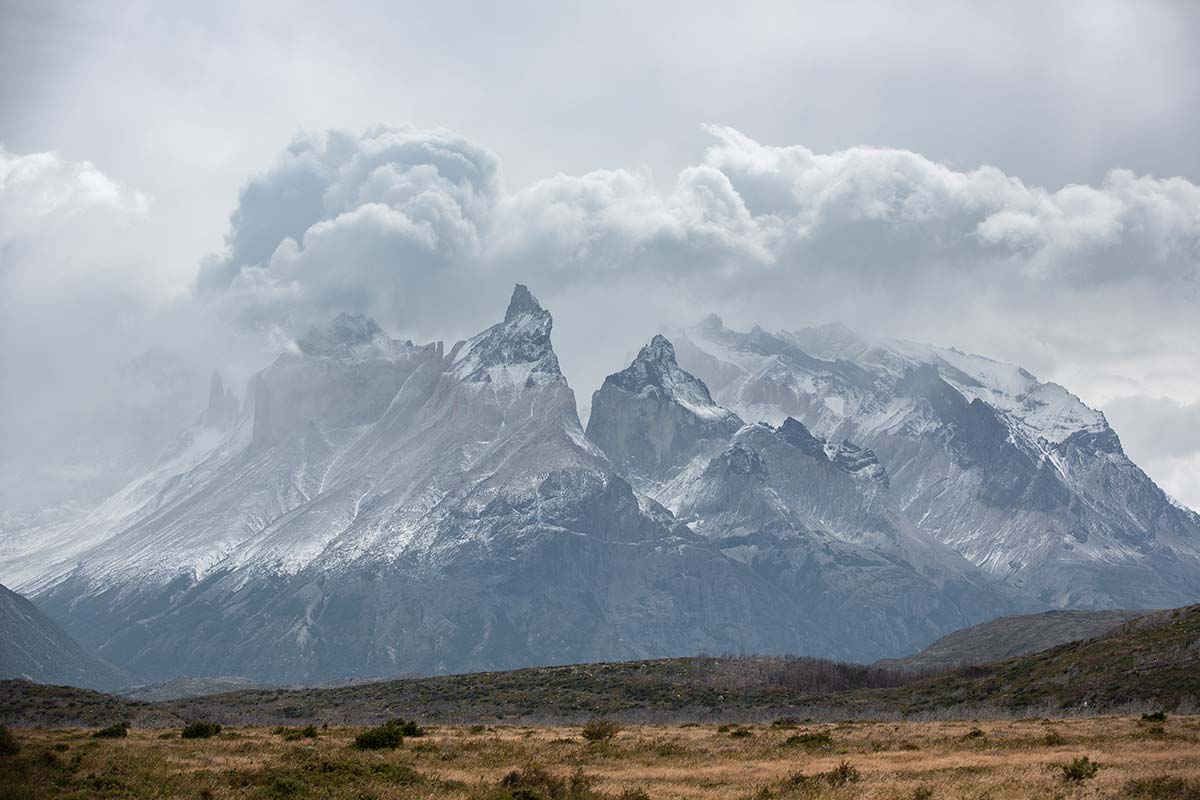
[(1095, 286), (367, 222)]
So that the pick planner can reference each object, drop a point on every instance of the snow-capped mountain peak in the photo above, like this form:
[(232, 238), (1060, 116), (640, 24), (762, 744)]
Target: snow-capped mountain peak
[(1017, 474), (517, 350)]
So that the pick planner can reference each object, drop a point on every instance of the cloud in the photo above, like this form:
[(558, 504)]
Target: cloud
[(1093, 286)]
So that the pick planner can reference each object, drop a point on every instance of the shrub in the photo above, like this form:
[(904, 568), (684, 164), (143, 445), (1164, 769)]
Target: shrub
[(535, 782), (1052, 739), (600, 730), (922, 793), (409, 727), (740, 733), (842, 774), (387, 736), (200, 730), (8, 743), (811, 741), (296, 734), (118, 731), (1157, 716), (974, 733), (1079, 770)]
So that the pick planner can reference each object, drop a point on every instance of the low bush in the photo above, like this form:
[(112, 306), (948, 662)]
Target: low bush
[(387, 736), (741, 733), (409, 727), (1079, 770), (811, 741), (1157, 716), (118, 731), (841, 775), (200, 730), (600, 730), (296, 734)]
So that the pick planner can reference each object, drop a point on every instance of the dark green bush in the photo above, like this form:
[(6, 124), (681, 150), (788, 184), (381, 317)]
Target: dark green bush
[(387, 736), (1079, 770), (118, 731), (842, 774), (811, 741), (409, 727), (741, 733), (600, 730), (200, 730), (1157, 716)]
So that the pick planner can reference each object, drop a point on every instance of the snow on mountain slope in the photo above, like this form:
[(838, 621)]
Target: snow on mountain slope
[(1019, 476), (382, 507), (816, 518)]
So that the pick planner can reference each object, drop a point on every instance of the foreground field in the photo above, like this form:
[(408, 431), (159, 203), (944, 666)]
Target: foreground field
[(1033, 758)]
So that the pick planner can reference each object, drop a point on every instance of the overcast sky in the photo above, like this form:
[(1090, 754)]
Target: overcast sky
[(1018, 179)]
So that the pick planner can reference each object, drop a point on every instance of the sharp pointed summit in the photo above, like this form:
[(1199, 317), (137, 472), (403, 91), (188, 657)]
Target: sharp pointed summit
[(517, 349), (522, 302)]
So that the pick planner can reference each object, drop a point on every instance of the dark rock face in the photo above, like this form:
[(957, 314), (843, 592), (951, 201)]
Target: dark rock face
[(33, 647), (652, 418)]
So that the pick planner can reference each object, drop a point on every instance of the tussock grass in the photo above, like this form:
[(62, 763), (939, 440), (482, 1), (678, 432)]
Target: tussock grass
[(892, 760)]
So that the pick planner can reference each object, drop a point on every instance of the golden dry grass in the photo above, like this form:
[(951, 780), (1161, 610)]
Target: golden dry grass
[(989, 760)]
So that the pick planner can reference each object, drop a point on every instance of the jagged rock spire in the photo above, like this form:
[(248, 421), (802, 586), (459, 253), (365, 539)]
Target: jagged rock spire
[(522, 302), (521, 340)]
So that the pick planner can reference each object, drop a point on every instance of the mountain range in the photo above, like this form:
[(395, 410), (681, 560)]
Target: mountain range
[(374, 506)]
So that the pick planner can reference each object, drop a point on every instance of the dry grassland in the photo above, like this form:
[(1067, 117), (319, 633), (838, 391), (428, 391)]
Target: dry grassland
[(992, 760)]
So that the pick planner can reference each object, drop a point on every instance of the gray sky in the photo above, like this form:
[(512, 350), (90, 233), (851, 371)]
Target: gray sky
[(998, 178)]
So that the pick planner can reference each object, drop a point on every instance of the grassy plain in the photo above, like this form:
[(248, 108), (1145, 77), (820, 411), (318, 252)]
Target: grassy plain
[(984, 760)]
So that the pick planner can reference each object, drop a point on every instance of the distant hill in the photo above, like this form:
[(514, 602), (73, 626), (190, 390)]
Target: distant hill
[(1152, 661), (1009, 637), (34, 647), (27, 704)]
